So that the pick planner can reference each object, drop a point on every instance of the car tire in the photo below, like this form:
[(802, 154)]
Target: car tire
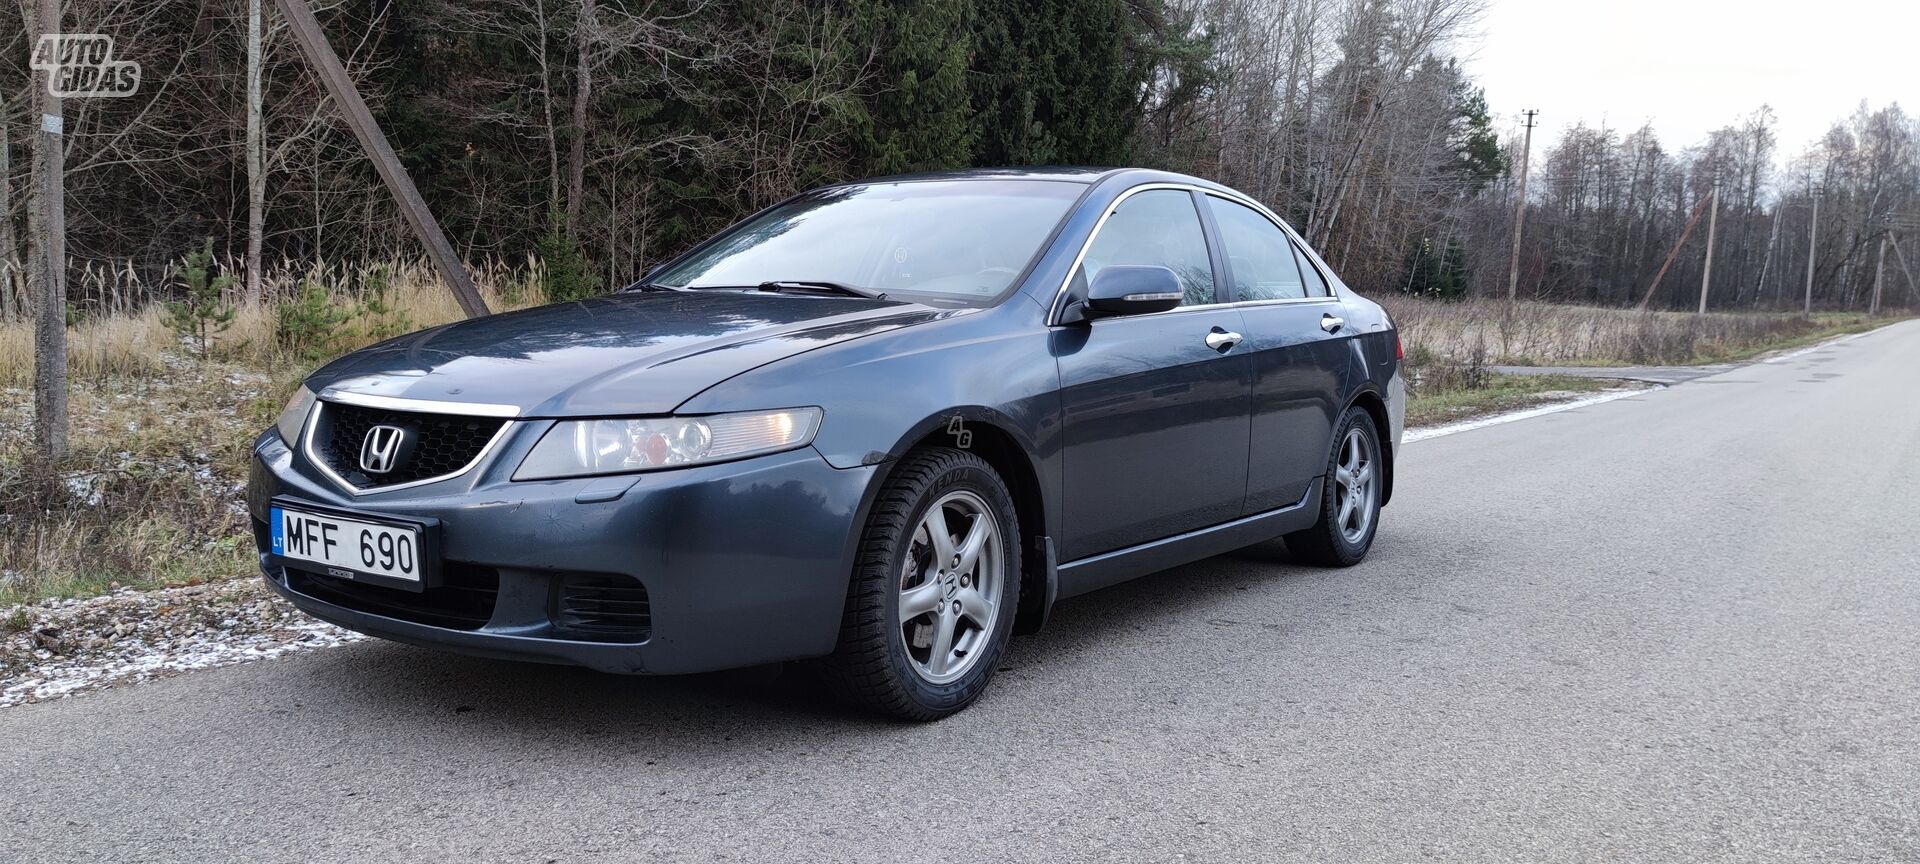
[(1342, 536), (889, 657)]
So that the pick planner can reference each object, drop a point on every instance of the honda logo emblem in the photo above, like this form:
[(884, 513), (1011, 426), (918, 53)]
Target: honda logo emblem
[(381, 449)]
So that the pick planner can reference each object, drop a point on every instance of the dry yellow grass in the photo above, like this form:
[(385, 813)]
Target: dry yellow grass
[(132, 344), (1530, 333)]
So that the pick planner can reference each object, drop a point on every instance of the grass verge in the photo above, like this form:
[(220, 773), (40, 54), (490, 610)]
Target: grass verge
[(1499, 393)]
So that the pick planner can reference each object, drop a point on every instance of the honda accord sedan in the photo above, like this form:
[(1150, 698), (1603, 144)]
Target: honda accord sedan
[(880, 427)]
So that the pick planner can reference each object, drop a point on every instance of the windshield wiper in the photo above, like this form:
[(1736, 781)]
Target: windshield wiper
[(651, 286), (819, 285)]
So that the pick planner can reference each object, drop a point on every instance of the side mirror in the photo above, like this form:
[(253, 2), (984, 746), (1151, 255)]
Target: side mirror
[(1133, 289)]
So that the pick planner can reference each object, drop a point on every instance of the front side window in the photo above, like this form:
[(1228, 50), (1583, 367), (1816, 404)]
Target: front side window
[(1258, 253), (951, 243), (1158, 227)]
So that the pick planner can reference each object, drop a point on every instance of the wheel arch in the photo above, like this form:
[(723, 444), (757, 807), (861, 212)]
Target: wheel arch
[(1371, 401), (985, 434)]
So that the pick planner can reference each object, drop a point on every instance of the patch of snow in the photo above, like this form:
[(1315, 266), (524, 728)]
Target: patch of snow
[(63, 647)]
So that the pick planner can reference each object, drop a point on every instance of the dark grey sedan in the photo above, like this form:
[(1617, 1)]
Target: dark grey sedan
[(881, 426)]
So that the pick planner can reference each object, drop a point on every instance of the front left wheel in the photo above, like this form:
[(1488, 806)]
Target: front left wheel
[(934, 590)]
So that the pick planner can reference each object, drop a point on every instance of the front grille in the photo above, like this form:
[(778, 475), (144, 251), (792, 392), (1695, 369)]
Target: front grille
[(434, 445), (463, 600), (601, 607)]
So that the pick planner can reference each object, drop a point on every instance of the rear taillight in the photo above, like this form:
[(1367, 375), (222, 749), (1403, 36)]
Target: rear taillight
[(1399, 350)]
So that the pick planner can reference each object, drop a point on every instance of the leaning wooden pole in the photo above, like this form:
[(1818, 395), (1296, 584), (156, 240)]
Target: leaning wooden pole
[(1913, 288), (1684, 232), (306, 30)]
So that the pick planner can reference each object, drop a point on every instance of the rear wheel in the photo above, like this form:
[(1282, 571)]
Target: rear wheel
[(1350, 502), (932, 602)]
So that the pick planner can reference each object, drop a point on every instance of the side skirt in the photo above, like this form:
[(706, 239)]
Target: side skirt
[(1112, 568)]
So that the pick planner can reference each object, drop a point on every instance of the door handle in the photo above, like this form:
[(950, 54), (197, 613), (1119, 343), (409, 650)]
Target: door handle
[(1222, 340), (1331, 324)]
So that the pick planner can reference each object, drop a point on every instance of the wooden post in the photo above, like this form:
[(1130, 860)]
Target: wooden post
[(306, 30), (1813, 248), (1706, 272), (1879, 273), (47, 257), (1520, 212), (256, 151)]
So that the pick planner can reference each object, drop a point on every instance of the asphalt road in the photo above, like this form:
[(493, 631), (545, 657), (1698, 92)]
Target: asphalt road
[(1683, 626)]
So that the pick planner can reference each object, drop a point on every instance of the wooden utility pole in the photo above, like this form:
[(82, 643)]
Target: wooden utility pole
[(47, 258), (1813, 247), (313, 41), (1879, 271), (1520, 211), (1706, 271), (1766, 263), (256, 151)]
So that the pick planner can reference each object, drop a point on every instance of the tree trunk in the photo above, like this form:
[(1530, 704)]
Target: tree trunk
[(46, 262), (9, 244), (582, 94), (256, 153)]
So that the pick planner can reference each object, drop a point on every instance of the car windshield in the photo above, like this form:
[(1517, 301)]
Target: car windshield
[(949, 243)]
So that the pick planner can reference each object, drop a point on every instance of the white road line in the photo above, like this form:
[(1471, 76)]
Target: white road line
[(1422, 434)]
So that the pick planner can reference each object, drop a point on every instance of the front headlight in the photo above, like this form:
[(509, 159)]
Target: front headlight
[(580, 448), (294, 416)]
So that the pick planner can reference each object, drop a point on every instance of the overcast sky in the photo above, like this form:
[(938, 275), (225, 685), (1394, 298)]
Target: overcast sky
[(1691, 66)]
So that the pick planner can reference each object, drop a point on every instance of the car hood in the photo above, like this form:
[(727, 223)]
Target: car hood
[(640, 353)]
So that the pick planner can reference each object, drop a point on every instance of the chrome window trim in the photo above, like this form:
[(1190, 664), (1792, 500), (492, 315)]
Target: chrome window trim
[(313, 422), (421, 406), (1057, 308), (1312, 257)]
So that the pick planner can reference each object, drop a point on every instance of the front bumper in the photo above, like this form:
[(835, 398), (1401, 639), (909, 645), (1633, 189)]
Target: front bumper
[(742, 563)]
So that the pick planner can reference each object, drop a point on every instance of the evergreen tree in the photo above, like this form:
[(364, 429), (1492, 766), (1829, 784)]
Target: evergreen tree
[(918, 117), (1058, 81), (1476, 147), (204, 312)]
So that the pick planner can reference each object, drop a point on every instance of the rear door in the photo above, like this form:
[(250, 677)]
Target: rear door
[(1296, 343), (1155, 419)]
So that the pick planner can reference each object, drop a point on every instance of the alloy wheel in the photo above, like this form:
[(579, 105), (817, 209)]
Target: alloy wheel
[(1356, 486), (950, 587)]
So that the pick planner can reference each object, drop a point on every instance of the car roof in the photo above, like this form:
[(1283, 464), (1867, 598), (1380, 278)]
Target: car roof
[(1064, 173)]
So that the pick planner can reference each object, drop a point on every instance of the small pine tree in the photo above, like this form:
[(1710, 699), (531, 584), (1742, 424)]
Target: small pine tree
[(1437, 273), (307, 326), (567, 275), (380, 318), (203, 313)]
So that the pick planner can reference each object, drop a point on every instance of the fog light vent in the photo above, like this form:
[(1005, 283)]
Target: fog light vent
[(601, 607)]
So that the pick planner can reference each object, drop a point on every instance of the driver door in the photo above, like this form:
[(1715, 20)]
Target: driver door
[(1155, 418)]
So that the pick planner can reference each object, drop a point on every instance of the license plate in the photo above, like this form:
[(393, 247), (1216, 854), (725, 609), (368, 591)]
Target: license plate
[(350, 548)]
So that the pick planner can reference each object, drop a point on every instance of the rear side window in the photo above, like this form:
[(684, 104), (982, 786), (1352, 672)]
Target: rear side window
[(1316, 283), (1159, 227), (1259, 254)]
